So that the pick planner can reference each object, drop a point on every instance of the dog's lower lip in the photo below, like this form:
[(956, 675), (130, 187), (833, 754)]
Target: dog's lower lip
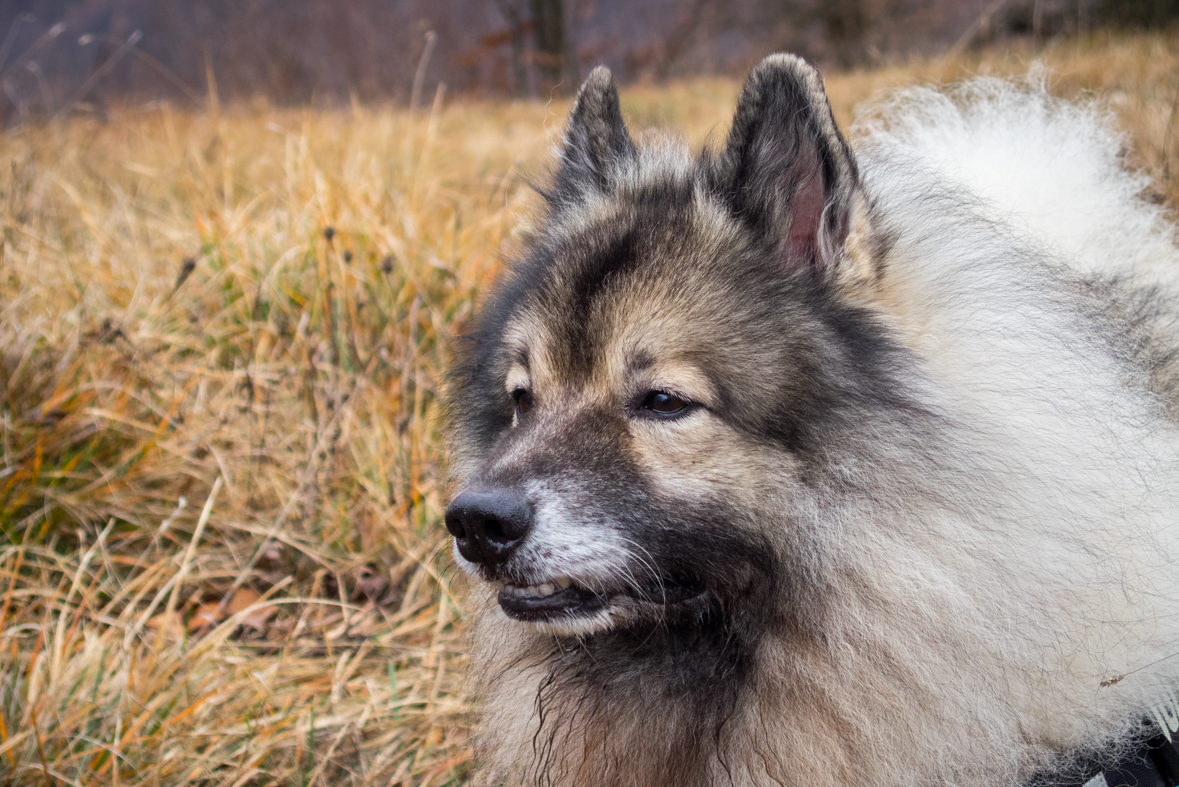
[(556, 599), (565, 601)]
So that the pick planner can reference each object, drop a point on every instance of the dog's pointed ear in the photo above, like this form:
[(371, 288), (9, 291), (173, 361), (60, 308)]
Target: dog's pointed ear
[(596, 142), (786, 168)]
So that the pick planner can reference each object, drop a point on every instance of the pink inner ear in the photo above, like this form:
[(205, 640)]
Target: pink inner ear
[(806, 217)]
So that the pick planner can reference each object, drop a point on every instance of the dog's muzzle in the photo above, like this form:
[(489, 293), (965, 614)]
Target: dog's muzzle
[(488, 526)]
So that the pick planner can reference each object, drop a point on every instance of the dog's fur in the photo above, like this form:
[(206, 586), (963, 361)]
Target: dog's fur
[(923, 499)]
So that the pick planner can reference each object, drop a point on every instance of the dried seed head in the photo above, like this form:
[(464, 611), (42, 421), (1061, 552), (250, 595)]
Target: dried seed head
[(186, 269), (387, 264), (347, 255), (329, 233)]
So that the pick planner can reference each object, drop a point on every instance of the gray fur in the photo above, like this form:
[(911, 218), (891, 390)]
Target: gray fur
[(596, 140)]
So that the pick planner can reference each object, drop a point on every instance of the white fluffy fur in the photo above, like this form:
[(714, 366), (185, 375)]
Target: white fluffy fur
[(1049, 167), (1076, 582)]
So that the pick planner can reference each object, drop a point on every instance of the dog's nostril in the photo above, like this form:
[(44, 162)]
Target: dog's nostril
[(492, 530), (454, 523), (488, 526)]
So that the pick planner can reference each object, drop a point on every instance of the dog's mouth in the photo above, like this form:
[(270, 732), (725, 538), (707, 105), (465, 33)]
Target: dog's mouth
[(535, 603), (562, 598)]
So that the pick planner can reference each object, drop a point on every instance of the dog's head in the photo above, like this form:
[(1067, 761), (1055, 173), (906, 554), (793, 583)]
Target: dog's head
[(646, 392)]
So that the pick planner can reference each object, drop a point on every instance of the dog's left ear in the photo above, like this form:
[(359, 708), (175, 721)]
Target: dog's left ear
[(596, 142), (786, 169)]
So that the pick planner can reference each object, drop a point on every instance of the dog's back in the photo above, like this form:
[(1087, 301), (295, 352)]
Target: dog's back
[(1053, 168), (1054, 173)]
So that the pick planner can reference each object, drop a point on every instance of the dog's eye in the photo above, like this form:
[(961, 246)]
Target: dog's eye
[(523, 400), (664, 403)]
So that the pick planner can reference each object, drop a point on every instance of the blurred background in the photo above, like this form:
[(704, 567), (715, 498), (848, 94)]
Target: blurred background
[(87, 53)]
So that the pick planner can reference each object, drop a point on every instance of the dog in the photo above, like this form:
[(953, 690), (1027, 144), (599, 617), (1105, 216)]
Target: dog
[(799, 463)]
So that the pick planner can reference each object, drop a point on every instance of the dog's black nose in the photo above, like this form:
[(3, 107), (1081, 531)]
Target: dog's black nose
[(487, 526)]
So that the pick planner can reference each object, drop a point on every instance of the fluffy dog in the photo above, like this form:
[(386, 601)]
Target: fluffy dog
[(793, 463)]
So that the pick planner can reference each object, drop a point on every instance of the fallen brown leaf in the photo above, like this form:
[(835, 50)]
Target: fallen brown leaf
[(206, 616)]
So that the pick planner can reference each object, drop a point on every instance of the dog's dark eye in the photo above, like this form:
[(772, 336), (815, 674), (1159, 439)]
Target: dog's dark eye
[(523, 400), (664, 403)]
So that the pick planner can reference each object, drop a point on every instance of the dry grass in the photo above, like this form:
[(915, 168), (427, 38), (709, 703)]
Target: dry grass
[(221, 480)]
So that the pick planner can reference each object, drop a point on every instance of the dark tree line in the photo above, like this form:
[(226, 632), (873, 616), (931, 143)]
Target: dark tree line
[(62, 55), (543, 55)]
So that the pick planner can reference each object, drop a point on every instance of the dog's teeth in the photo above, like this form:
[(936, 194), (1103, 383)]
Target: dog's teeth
[(543, 589)]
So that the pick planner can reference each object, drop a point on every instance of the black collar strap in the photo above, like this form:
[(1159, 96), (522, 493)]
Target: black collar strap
[(1154, 763)]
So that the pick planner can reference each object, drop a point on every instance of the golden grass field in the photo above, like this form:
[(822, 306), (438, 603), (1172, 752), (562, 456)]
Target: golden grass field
[(221, 464)]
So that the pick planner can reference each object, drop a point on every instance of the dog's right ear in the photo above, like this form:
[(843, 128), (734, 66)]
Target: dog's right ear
[(596, 142), (786, 170)]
